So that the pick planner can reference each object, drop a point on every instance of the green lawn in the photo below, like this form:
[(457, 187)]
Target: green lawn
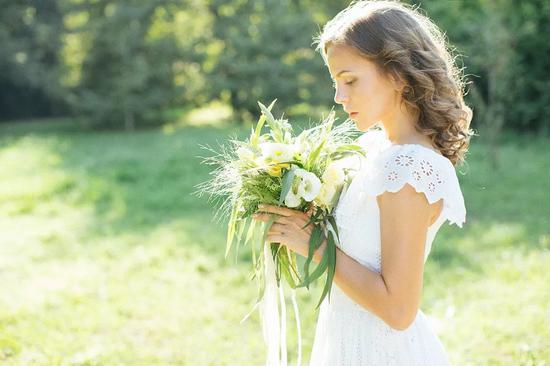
[(107, 258)]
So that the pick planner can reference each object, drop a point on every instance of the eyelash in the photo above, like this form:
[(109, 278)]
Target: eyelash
[(348, 83)]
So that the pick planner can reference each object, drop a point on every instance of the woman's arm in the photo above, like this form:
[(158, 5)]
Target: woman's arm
[(394, 294)]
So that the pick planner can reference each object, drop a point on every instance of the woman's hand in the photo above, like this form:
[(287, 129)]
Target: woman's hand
[(289, 228)]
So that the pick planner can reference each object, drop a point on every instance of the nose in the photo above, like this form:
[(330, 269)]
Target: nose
[(339, 96)]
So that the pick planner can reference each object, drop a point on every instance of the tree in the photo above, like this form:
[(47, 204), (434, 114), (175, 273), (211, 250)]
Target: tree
[(30, 37), (265, 53), (506, 55), (127, 75), (497, 58)]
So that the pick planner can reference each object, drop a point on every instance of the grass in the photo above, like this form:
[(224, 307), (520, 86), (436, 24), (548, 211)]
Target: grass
[(106, 257)]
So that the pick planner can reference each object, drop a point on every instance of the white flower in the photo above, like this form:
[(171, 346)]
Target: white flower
[(273, 152), (300, 150), (326, 196), (334, 174), (309, 184), (304, 185), (292, 199), (333, 178)]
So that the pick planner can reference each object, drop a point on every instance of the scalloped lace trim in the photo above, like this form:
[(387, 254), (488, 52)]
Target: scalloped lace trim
[(423, 169)]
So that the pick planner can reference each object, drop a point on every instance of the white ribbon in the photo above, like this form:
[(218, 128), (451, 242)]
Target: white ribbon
[(273, 325)]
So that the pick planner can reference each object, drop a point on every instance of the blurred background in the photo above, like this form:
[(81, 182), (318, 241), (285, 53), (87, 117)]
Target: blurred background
[(107, 257)]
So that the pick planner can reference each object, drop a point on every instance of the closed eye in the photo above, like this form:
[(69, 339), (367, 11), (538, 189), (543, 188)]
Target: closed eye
[(348, 83)]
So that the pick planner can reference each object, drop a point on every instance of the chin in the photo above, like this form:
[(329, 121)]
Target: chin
[(364, 125)]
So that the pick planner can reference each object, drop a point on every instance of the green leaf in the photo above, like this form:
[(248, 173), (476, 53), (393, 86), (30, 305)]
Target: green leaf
[(349, 148), (259, 273), (267, 226), (314, 155), (341, 153), (254, 139), (275, 249), (332, 222), (330, 253), (231, 230), (241, 224), (266, 111), (294, 268), (250, 231), (318, 271), (315, 240), (287, 185), (272, 122), (286, 266)]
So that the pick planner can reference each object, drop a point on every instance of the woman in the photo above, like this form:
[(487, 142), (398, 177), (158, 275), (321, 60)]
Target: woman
[(391, 67)]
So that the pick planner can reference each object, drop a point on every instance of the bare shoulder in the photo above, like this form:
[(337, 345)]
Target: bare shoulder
[(409, 203)]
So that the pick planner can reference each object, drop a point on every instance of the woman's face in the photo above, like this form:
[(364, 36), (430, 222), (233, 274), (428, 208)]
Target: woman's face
[(364, 93)]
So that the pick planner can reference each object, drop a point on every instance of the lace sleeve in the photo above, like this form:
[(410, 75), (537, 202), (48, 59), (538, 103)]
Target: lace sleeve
[(425, 170)]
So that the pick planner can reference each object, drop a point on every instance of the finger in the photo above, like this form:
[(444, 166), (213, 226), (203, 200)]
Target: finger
[(278, 229), (305, 221), (285, 220), (276, 218), (297, 222), (261, 217), (283, 211)]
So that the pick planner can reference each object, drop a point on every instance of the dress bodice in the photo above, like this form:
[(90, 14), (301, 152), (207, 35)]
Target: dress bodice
[(347, 334), (389, 167)]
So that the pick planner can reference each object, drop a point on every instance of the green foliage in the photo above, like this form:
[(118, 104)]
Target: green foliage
[(127, 79), (30, 69), (505, 55), (124, 64), (265, 57)]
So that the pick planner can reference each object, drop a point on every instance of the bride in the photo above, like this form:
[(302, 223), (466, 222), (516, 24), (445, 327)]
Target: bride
[(391, 68)]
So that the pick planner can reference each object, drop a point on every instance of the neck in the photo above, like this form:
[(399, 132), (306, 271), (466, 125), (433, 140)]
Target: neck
[(400, 129)]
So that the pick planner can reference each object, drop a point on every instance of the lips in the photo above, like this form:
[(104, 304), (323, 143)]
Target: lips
[(350, 113)]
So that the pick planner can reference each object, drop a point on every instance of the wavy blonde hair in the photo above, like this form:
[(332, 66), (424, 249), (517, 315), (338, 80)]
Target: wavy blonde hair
[(408, 45)]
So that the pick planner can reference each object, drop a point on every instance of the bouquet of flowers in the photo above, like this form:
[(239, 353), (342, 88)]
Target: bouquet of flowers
[(306, 172), (303, 172)]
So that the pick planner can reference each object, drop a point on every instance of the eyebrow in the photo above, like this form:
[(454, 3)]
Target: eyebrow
[(342, 72)]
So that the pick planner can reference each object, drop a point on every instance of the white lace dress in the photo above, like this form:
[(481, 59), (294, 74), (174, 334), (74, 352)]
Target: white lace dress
[(347, 334)]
